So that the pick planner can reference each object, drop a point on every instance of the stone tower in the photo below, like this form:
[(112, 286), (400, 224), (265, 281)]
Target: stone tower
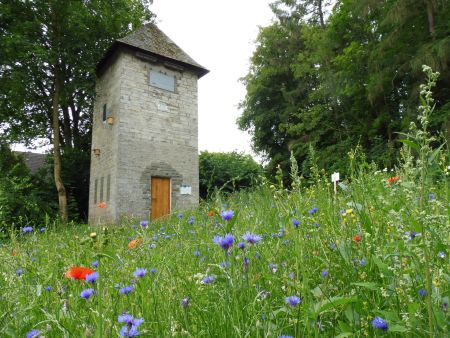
[(144, 160)]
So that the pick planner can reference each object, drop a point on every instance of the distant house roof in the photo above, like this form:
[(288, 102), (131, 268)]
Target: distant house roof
[(34, 161), (150, 40)]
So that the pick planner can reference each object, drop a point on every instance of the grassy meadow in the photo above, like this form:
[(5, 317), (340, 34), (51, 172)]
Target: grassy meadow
[(371, 260)]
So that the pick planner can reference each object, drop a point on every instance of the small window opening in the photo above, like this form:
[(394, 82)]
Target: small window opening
[(102, 180), (108, 188), (95, 190), (104, 112)]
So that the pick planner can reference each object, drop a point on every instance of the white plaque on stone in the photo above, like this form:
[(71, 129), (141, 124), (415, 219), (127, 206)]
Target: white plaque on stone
[(162, 106), (185, 190)]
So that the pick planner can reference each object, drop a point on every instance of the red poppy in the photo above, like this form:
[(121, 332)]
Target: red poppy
[(211, 213), (357, 238), (78, 272), (393, 179), (135, 242), (102, 205)]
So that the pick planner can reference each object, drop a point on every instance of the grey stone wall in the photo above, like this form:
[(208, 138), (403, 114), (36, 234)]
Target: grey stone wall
[(155, 133), (104, 138)]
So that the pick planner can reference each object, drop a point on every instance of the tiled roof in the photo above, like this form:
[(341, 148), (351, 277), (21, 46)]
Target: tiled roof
[(151, 40), (34, 161)]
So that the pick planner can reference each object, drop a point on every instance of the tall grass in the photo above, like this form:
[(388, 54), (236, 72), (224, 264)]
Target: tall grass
[(378, 248)]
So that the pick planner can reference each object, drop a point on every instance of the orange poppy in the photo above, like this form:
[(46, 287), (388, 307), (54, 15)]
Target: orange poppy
[(211, 213), (14, 253), (357, 238), (135, 242), (102, 205), (78, 272), (392, 179)]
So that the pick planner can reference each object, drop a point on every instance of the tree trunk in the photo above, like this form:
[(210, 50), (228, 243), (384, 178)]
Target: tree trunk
[(320, 12), (62, 196), (430, 13)]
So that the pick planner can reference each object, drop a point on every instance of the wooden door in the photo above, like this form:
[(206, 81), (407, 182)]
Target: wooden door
[(160, 196)]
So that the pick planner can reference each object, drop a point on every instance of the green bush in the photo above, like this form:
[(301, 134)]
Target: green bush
[(226, 172), (21, 200)]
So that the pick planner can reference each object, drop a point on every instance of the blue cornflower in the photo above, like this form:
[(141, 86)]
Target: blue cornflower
[(139, 273), (197, 253), (191, 220), (246, 262), (293, 300), (33, 334), (167, 237), (225, 242), (362, 262), (422, 292), (48, 288), (152, 246), (225, 264), (411, 235), (241, 245), (317, 224), (92, 277), (273, 267), (42, 229), (208, 279), (130, 329), (185, 302), (129, 319), (143, 224), (295, 223), (226, 214), (19, 272), (180, 216), (333, 246), (251, 238), (380, 323), (153, 270), (441, 254), (313, 210), (284, 336), (27, 229), (431, 196), (125, 318), (324, 273), (291, 275), (94, 264), (87, 293), (126, 290)]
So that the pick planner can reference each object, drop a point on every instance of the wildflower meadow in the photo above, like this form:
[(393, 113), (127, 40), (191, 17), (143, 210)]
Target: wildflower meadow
[(369, 260)]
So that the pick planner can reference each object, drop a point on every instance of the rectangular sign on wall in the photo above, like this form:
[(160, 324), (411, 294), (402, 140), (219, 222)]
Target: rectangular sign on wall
[(162, 81), (185, 189)]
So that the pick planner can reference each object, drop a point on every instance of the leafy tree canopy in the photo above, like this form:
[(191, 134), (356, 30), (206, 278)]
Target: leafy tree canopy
[(339, 77)]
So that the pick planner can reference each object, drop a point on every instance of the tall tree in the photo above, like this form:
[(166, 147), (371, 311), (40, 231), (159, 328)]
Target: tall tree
[(49, 50), (353, 75)]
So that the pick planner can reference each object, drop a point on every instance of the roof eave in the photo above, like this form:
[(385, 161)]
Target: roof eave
[(103, 63)]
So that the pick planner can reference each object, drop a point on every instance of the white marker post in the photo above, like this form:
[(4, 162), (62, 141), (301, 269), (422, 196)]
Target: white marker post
[(335, 179)]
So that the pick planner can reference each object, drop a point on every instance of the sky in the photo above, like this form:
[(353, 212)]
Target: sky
[(219, 35)]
